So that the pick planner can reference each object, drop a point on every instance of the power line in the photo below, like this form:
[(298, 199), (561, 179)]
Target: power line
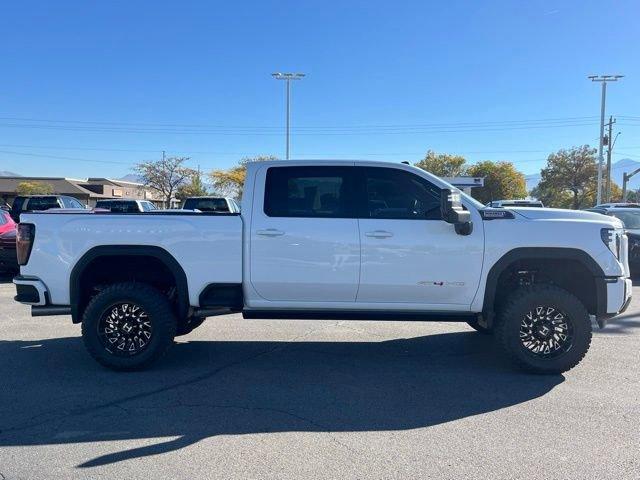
[(319, 127), (211, 152), (396, 131), (29, 154)]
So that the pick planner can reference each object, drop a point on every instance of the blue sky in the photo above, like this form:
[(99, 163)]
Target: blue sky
[(91, 88)]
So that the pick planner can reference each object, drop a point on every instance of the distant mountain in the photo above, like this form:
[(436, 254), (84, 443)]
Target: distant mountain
[(131, 177), (625, 165), (7, 173)]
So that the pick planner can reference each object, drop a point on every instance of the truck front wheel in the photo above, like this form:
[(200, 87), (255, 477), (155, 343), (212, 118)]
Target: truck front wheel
[(544, 329), (128, 326)]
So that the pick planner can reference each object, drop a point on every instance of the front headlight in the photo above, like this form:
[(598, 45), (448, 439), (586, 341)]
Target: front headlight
[(611, 238)]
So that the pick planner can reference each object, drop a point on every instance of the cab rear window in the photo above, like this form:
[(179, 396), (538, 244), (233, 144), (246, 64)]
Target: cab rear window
[(42, 203), (206, 204)]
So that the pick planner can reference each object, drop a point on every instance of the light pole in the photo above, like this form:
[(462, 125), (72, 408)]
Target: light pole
[(288, 77), (602, 79)]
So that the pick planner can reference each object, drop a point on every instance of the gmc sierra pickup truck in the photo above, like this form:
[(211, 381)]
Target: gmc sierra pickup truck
[(330, 239)]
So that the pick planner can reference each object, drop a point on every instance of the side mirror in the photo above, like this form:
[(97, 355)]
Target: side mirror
[(454, 213)]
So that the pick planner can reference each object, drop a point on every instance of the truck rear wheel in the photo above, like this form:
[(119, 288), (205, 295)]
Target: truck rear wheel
[(544, 329), (128, 326)]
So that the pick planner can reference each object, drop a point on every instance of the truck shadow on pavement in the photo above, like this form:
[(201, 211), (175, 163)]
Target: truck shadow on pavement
[(53, 393), (6, 277)]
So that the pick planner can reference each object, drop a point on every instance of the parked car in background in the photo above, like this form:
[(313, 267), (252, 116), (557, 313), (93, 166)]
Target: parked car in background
[(37, 203), (629, 214), (6, 222), (515, 203), (212, 204), (8, 260), (125, 205), (617, 205)]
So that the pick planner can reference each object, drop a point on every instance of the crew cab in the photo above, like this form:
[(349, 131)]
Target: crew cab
[(330, 239)]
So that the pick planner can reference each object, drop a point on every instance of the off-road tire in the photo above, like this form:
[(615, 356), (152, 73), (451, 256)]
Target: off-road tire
[(159, 313), (526, 299)]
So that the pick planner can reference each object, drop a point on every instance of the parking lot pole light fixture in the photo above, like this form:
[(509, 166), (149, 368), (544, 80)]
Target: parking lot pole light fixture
[(603, 79), (288, 77)]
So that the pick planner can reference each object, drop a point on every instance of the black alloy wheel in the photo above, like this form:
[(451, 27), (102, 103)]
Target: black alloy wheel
[(547, 332), (125, 329)]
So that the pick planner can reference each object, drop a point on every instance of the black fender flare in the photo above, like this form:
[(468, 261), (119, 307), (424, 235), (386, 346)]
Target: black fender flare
[(546, 253), (128, 250)]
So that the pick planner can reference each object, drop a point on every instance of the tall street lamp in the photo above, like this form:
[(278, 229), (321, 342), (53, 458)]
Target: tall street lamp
[(602, 79), (288, 77)]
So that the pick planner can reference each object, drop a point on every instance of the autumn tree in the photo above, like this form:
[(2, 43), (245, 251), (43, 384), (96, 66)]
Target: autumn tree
[(616, 193), (570, 179), (501, 181), (165, 176), (34, 188), (195, 187), (443, 164), (231, 181)]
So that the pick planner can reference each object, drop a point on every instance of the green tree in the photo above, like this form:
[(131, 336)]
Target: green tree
[(34, 188), (195, 188), (501, 181), (443, 164), (569, 180), (165, 176), (231, 181)]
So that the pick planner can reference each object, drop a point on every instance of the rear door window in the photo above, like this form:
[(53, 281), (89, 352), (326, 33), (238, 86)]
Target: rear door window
[(310, 192)]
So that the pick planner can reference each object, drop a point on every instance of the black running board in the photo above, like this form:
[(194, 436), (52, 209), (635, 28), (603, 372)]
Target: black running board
[(360, 315)]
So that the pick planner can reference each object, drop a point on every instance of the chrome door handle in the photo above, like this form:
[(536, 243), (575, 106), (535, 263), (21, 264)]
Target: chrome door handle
[(270, 232), (379, 234)]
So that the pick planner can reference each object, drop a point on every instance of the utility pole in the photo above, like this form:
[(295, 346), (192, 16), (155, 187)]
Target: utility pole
[(610, 141), (602, 79), (288, 77)]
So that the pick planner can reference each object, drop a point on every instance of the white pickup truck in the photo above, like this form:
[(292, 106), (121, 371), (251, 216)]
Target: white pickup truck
[(330, 239)]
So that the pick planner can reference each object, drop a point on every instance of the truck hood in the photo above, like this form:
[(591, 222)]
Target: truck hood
[(562, 214)]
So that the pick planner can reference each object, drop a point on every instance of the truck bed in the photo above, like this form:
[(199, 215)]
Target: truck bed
[(62, 238)]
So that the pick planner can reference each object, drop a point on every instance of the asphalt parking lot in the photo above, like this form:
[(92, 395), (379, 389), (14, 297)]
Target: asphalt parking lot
[(314, 399)]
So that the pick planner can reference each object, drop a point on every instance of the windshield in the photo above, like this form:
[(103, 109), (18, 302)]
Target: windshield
[(630, 219)]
